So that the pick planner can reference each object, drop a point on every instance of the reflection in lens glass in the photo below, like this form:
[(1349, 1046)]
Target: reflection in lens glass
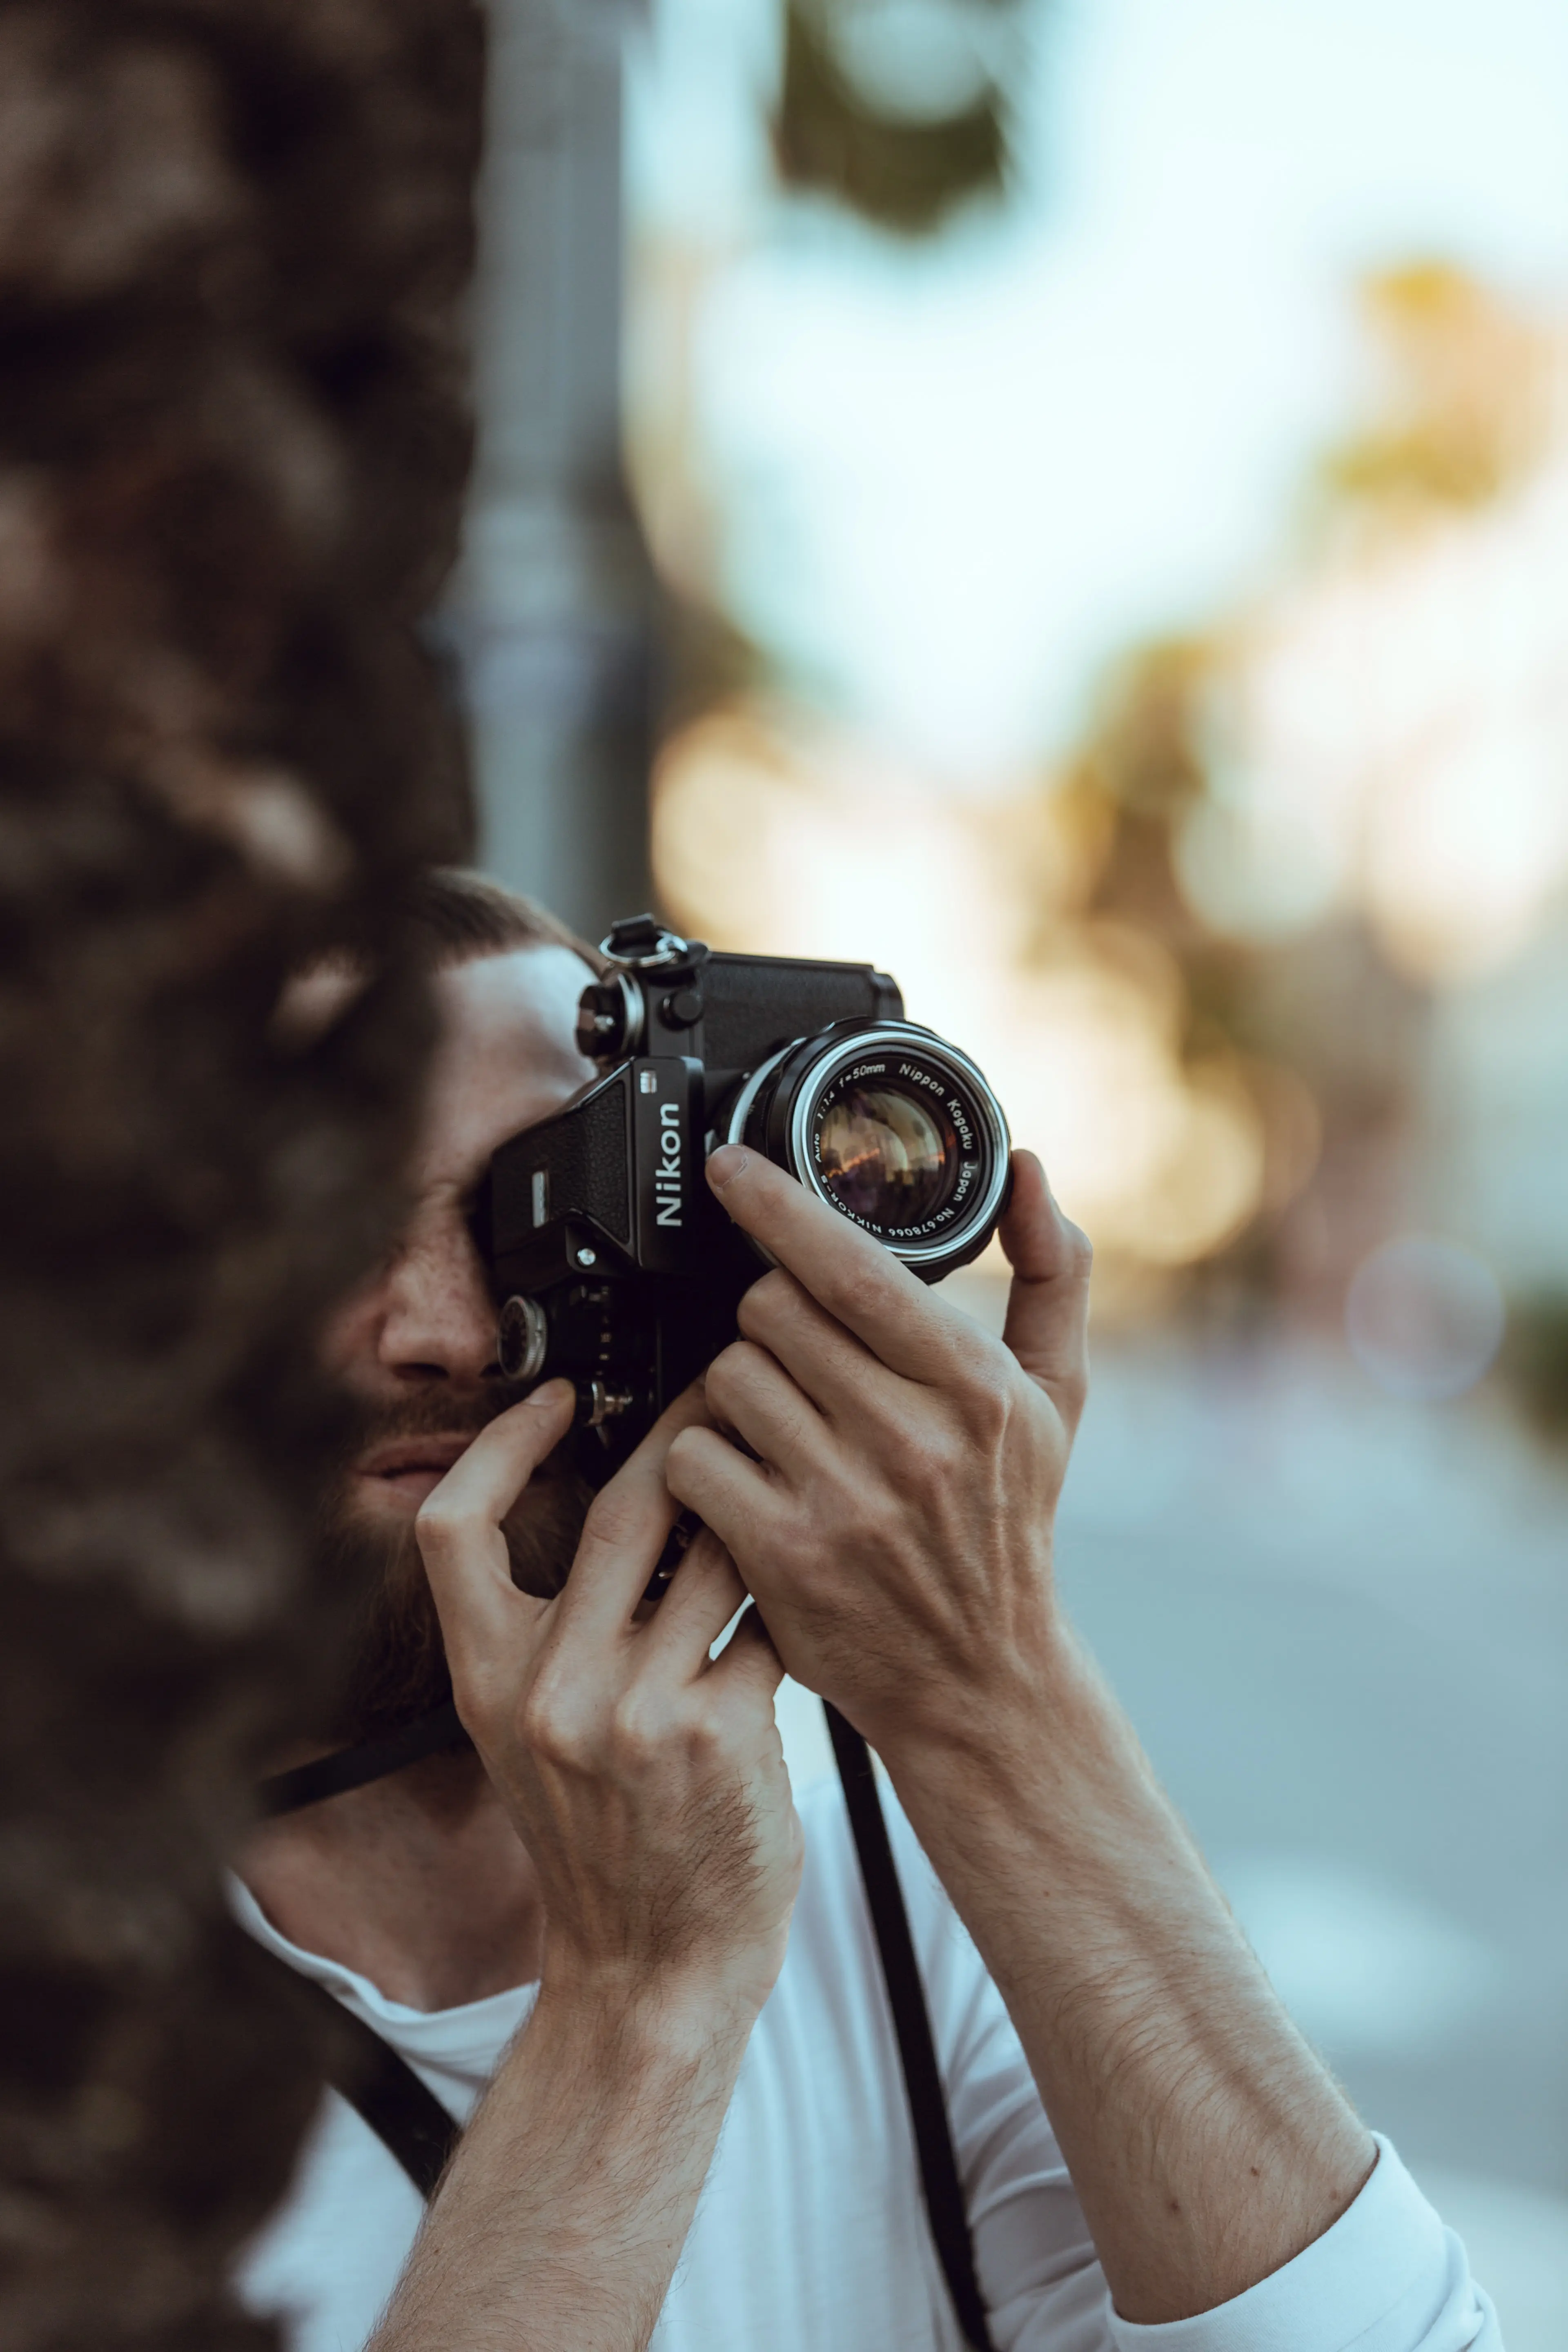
[(887, 1157)]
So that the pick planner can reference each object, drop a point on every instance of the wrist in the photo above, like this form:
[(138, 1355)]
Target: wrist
[(1057, 1819), (975, 1737), (635, 2011), (1044, 1781)]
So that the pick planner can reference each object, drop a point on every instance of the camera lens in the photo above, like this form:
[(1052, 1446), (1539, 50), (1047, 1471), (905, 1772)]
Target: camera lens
[(886, 1158), (892, 1127)]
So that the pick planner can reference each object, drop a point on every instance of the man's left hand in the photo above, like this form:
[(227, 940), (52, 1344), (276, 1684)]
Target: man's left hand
[(896, 1531), (896, 1523)]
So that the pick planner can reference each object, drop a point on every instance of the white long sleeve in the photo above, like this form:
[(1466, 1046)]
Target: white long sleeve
[(1387, 2277), (810, 2235)]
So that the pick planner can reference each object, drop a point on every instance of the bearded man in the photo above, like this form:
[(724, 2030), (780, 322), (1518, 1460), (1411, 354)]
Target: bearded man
[(612, 1945)]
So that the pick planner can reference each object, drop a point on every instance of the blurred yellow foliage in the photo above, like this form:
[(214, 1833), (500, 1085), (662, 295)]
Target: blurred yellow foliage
[(785, 836), (1469, 393)]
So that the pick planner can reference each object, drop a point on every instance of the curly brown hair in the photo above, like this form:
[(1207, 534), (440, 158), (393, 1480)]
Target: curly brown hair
[(234, 234)]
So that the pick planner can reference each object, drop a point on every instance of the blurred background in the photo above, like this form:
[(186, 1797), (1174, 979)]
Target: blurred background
[(1070, 503)]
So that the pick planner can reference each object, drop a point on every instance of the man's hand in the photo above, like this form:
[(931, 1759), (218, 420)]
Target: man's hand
[(646, 1779), (896, 1527), (896, 1523)]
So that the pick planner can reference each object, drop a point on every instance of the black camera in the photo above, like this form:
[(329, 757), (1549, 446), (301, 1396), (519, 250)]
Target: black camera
[(610, 1260)]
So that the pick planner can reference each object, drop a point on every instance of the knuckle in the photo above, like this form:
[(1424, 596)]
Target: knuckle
[(705, 1739), (736, 1366), (440, 1528), (719, 1380), (1077, 1250), (638, 1729), (472, 1696), (767, 1303), (939, 1461), (858, 1292), (685, 1453), (614, 1516), (554, 1724), (988, 1401)]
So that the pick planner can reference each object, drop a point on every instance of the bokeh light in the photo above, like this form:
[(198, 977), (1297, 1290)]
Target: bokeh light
[(1390, 731), (798, 841)]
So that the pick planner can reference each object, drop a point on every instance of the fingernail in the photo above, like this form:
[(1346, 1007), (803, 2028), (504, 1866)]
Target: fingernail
[(725, 1164)]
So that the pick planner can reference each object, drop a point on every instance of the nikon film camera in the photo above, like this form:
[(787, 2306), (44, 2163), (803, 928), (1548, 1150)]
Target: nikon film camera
[(611, 1262)]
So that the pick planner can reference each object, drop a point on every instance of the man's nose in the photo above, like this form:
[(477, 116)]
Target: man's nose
[(439, 1320)]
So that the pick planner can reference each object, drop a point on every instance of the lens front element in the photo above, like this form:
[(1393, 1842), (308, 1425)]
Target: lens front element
[(894, 1129), (891, 1160)]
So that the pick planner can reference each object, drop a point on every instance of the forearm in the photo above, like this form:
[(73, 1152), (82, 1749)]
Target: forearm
[(561, 2219), (1207, 2143)]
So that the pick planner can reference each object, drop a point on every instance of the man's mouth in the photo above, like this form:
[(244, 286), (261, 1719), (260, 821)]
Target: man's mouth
[(410, 1468)]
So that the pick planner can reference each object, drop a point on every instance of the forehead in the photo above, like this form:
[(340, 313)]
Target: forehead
[(506, 1057)]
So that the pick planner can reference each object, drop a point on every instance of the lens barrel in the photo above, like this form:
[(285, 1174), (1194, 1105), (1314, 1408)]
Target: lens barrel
[(893, 1128)]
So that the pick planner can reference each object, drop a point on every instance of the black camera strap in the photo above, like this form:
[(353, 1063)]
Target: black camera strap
[(945, 2209), (411, 2122), (383, 2089), (355, 1768)]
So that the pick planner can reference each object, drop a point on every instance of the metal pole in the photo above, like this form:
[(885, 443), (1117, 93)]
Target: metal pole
[(555, 613)]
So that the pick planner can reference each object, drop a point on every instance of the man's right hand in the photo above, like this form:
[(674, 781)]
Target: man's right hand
[(646, 1779)]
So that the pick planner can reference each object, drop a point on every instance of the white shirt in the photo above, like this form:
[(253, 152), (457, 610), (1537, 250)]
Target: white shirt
[(810, 2235)]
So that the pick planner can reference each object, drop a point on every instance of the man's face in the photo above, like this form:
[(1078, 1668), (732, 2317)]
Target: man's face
[(415, 1345)]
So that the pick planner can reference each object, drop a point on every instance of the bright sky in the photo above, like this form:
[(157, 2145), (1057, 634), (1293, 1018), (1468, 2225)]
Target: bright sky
[(957, 479)]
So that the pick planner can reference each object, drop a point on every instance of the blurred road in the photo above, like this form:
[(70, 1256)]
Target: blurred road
[(1340, 1624)]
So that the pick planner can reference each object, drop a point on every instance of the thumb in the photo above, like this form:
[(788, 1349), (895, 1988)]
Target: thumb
[(1048, 1306)]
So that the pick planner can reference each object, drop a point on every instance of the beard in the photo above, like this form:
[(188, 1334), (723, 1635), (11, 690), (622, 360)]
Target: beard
[(398, 1669)]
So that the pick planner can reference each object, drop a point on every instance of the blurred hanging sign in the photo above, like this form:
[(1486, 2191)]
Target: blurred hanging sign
[(897, 108)]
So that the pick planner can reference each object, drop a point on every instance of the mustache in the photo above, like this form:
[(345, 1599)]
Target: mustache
[(431, 1413)]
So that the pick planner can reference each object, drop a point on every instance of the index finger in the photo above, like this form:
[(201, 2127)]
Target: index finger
[(458, 1529), (862, 1285), (486, 1481)]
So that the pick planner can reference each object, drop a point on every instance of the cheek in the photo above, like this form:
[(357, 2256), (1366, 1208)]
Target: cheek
[(348, 1335)]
